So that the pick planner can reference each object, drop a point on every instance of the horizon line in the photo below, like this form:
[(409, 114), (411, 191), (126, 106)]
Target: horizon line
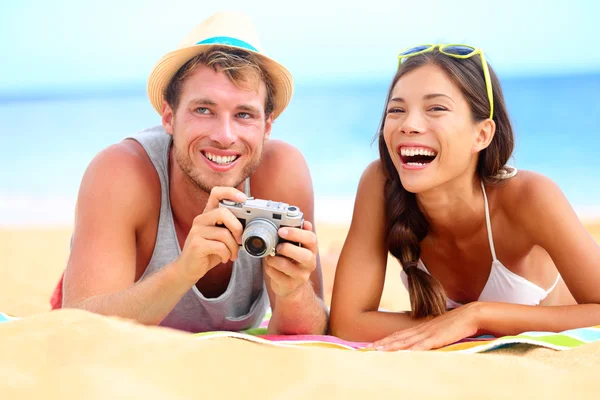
[(138, 87)]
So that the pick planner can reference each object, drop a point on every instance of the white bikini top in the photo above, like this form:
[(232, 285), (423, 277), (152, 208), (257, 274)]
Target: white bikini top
[(502, 285)]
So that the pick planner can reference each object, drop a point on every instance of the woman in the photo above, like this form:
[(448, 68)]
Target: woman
[(484, 249)]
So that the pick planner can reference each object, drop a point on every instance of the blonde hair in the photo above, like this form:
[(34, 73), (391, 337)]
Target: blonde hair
[(244, 69)]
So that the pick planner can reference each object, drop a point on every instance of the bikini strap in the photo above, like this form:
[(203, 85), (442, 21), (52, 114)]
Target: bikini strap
[(553, 286), (488, 222)]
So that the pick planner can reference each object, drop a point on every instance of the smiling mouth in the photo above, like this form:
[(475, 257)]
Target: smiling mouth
[(220, 160), (417, 156)]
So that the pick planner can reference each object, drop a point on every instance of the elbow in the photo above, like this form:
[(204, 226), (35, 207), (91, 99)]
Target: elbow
[(343, 326)]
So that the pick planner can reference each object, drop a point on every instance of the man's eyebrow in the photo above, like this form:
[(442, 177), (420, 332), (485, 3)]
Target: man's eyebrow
[(249, 108), (203, 100)]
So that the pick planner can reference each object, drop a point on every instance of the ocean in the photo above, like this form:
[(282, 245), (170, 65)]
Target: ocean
[(48, 140)]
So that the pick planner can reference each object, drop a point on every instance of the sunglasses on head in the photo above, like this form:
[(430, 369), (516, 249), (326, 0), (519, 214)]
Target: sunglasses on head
[(461, 51)]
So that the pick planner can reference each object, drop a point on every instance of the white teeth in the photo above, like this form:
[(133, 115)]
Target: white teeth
[(417, 151), (415, 164), (221, 160)]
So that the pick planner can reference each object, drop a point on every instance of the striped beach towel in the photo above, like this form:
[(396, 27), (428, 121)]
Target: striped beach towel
[(558, 341)]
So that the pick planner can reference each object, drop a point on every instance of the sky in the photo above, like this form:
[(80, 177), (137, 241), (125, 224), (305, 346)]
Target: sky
[(65, 43)]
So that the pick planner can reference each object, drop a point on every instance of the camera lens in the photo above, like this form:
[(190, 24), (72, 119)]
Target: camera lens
[(256, 245), (260, 237)]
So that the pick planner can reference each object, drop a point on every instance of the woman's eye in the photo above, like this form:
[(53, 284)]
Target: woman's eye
[(395, 110), (438, 108)]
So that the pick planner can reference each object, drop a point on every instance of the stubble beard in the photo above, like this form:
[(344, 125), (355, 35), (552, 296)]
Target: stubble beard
[(206, 182)]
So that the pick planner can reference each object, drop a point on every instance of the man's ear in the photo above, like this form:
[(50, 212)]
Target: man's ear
[(484, 134), (268, 126), (167, 118)]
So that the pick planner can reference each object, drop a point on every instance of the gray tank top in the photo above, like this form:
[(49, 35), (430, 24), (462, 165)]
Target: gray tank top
[(244, 302)]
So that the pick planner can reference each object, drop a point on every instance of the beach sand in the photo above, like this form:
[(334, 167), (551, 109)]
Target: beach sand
[(74, 354)]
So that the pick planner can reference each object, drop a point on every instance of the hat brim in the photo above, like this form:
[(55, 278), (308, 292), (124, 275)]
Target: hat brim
[(171, 62)]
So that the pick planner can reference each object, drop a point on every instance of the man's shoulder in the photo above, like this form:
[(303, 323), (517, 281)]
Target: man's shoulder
[(124, 166), (282, 168), (124, 158), (278, 158), (278, 151)]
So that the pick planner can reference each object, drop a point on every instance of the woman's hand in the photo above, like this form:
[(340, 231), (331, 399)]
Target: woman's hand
[(446, 329)]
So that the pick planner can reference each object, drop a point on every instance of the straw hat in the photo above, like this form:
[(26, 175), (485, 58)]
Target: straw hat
[(224, 29)]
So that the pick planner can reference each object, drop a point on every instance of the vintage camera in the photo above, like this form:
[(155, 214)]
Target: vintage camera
[(261, 219)]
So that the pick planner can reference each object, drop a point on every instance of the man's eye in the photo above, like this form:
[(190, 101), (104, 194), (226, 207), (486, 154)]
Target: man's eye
[(202, 110), (244, 115)]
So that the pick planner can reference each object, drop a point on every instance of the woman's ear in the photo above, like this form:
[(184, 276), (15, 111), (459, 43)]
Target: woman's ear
[(484, 133)]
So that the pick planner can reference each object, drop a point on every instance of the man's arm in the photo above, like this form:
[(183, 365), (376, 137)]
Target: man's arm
[(284, 176), (115, 199)]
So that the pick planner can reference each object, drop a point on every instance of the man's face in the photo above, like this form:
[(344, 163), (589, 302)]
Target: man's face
[(218, 129)]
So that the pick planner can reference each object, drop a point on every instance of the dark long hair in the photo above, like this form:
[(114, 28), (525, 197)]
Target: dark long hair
[(406, 226)]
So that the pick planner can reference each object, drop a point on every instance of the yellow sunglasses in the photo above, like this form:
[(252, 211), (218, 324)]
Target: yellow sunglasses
[(457, 51)]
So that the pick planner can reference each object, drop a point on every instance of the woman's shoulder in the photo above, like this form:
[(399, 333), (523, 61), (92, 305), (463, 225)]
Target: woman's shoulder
[(373, 178), (374, 171), (526, 194)]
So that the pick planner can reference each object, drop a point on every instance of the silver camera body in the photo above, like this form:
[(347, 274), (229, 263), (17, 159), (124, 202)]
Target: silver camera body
[(261, 219)]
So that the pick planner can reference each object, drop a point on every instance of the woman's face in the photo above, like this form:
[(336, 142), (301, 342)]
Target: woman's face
[(429, 129)]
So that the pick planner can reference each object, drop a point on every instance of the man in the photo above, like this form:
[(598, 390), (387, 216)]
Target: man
[(150, 241)]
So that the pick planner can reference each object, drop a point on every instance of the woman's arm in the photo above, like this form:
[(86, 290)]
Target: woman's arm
[(360, 273), (548, 219)]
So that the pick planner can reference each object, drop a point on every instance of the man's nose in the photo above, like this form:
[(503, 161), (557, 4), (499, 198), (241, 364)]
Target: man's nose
[(224, 132)]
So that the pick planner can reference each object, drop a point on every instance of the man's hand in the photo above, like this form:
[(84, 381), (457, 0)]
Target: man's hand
[(291, 268), (214, 238)]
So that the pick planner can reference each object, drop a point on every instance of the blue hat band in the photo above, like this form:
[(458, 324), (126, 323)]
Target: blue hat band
[(228, 41)]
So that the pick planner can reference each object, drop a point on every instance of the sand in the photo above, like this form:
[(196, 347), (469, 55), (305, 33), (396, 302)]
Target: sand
[(72, 354)]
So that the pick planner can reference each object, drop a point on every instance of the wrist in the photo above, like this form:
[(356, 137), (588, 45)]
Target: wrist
[(298, 295), (181, 275), (479, 314)]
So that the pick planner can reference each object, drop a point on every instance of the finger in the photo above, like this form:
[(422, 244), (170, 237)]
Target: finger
[(222, 235), (425, 344), (306, 238), (277, 276), (406, 337), (210, 247), (301, 255), (307, 225), (402, 343), (281, 264), (221, 217), (400, 335), (219, 193), (288, 267)]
